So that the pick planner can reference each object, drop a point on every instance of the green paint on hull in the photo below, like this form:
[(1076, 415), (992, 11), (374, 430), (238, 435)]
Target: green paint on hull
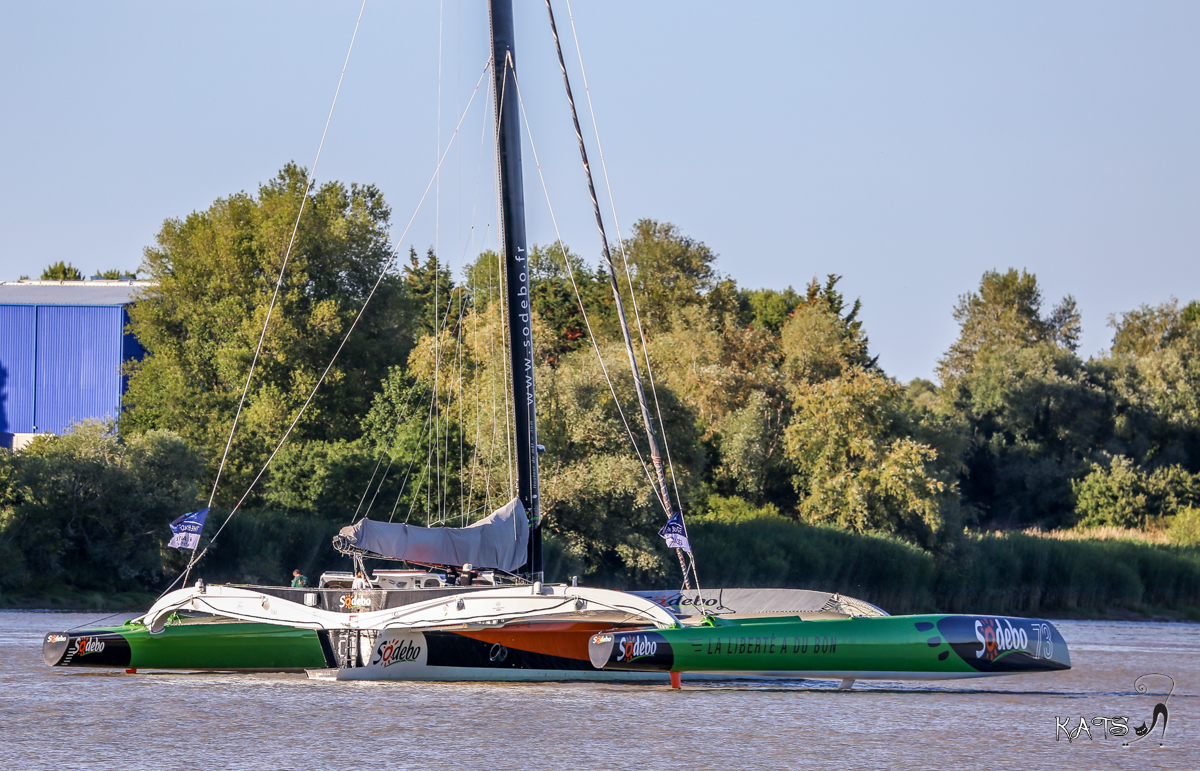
[(225, 646), (191, 645), (933, 645)]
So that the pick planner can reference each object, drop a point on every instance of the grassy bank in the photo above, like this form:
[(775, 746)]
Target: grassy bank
[(1002, 573), (1010, 573)]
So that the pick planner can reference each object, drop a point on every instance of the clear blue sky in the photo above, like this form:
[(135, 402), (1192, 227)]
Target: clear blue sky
[(907, 146)]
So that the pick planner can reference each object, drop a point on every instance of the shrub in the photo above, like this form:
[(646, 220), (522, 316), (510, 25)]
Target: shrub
[(1123, 495), (91, 508), (1185, 527)]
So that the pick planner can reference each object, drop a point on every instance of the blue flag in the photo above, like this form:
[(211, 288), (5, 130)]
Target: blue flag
[(674, 533), (186, 530)]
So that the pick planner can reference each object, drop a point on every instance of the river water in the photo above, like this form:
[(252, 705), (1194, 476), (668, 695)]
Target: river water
[(60, 718)]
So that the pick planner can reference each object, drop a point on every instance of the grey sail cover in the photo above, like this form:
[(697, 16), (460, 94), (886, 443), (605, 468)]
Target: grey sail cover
[(498, 541)]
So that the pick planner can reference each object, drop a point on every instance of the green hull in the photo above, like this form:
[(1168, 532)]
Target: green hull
[(188, 645), (932, 646)]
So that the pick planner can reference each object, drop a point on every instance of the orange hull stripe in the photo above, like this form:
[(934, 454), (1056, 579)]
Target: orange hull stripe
[(568, 639)]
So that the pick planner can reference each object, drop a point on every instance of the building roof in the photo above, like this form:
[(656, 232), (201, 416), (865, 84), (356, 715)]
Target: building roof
[(97, 292)]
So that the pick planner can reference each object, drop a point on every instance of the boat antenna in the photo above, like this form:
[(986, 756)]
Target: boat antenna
[(664, 492), (516, 272)]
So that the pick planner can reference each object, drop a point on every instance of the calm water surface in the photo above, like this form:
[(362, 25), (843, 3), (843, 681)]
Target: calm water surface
[(60, 718)]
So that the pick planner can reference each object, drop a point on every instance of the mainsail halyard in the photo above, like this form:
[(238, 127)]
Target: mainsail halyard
[(664, 492), (516, 272)]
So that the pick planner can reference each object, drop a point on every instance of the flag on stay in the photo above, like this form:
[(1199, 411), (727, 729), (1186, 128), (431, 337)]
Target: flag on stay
[(674, 533), (186, 530)]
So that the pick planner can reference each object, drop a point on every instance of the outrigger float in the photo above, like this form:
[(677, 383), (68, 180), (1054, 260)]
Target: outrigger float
[(928, 647)]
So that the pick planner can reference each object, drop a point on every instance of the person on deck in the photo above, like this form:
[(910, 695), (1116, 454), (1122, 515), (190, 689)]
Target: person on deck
[(360, 581), (299, 580), (468, 575)]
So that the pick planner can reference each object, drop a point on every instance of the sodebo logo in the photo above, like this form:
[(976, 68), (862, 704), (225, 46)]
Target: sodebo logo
[(85, 645), (635, 647), (996, 636), (397, 652)]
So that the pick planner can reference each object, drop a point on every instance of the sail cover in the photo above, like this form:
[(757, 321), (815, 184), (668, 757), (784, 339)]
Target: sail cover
[(498, 541)]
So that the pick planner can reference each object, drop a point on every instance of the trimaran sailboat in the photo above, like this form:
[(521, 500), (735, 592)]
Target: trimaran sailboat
[(531, 630)]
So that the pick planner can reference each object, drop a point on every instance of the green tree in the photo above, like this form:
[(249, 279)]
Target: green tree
[(91, 509), (1036, 414), (1112, 496), (1152, 328), (596, 499), (856, 465), (326, 479), (215, 272), (670, 271), (482, 280), (1153, 374), (426, 462), (750, 448), (115, 274), (438, 303), (1121, 494), (823, 338), (1005, 312), (770, 308), (553, 281), (62, 271), (554, 278)]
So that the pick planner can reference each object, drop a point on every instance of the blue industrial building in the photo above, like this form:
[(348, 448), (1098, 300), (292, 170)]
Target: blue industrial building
[(62, 348)]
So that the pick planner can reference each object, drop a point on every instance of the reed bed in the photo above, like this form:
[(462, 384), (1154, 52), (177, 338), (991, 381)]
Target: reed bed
[(1011, 573), (1104, 533), (1087, 572)]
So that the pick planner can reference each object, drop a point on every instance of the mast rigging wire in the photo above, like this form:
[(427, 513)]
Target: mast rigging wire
[(625, 262), (362, 309), (655, 457), (583, 311), (279, 281)]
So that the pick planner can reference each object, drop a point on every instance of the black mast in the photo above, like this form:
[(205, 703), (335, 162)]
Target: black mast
[(516, 270)]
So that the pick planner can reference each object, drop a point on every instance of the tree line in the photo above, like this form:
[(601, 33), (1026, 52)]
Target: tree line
[(772, 403)]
